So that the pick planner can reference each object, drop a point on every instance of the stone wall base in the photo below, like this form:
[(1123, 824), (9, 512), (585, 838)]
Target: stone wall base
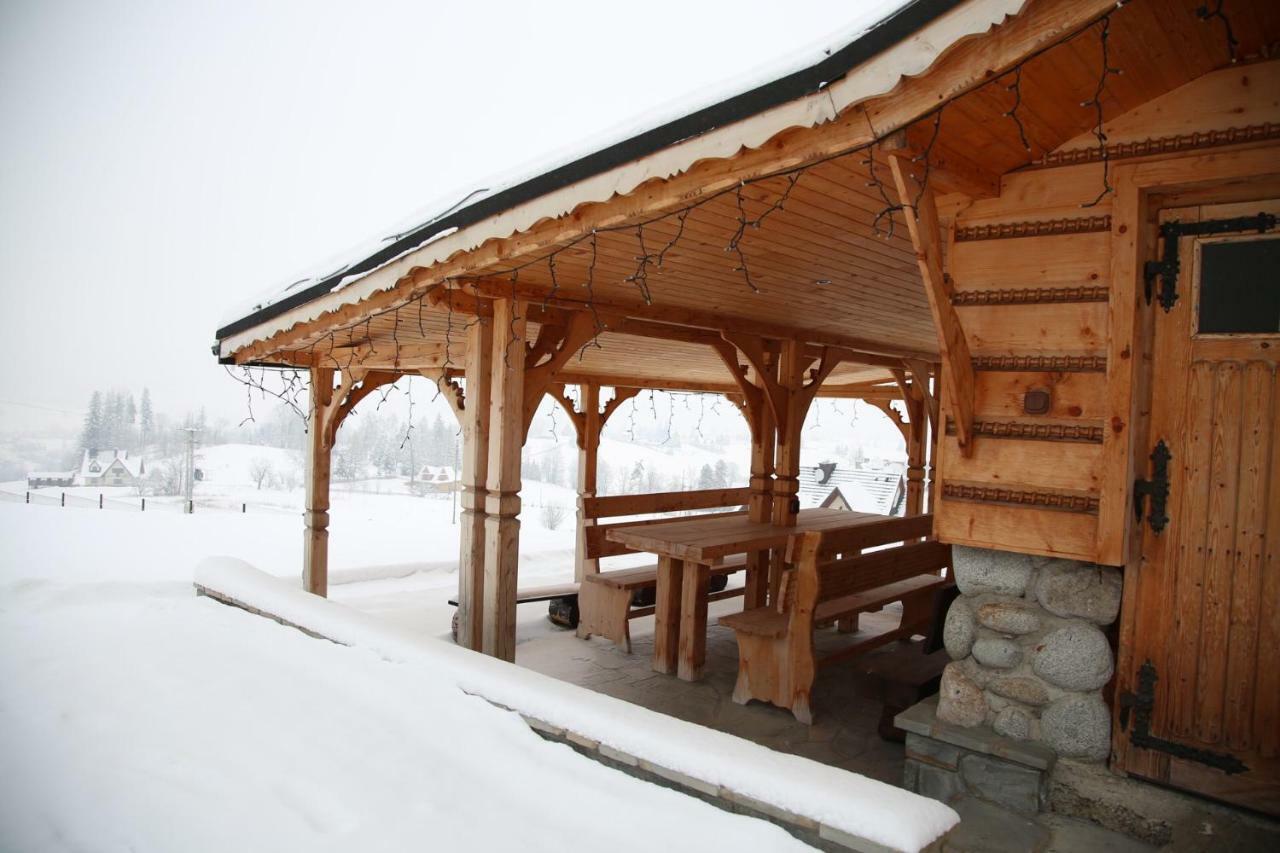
[(945, 760), (958, 765)]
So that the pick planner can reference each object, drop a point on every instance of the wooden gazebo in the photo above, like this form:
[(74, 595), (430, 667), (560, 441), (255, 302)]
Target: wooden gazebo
[(966, 198)]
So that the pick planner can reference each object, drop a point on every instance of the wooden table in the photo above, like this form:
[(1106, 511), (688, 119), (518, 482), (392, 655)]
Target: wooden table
[(688, 547)]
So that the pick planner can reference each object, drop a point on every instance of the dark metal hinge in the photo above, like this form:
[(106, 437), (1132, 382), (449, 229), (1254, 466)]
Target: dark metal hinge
[(1168, 267), (1142, 704), (1157, 488)]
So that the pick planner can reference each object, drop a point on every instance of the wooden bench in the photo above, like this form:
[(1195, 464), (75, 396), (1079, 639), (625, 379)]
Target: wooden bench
[(826, 582), (562, 610), (608, 601)]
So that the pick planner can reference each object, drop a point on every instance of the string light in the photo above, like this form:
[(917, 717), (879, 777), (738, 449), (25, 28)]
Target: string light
[(1096, 103), (1205, 15), (648, 260), (1016, 88)]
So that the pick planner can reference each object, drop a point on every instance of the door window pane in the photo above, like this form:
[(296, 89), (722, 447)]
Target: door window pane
[(1240, 287)]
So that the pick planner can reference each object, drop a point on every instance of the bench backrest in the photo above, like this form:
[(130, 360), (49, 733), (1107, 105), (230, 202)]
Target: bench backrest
[(826, 566), (617, 506)]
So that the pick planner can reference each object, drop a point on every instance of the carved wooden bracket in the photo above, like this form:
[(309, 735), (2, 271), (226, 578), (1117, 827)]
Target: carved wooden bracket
[(449, 388), (559, 393), (921, 215), (354, 385), (555, 344), (620, 396), (893, 415)]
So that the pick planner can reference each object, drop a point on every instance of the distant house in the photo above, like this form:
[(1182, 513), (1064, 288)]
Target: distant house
[(109, 468), (832, 485), (43, 479), (437, 478)]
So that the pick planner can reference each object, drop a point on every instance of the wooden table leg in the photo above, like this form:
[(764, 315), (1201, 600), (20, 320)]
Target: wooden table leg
[(666, 615), (693, 621)]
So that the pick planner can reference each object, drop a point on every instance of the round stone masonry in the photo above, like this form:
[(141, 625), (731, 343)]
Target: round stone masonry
[(1078, 725), (960, 701), (960, 629), (1082, 590), (995, 651), (1075, 656), (979, 570), (1010, 616)]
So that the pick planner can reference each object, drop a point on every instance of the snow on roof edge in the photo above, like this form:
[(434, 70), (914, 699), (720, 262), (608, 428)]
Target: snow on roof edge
[(912, 51), (869, 18)]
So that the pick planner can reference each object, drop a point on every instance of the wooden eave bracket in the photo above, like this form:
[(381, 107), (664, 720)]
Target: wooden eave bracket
[(545, 356), (926, 237), (559, 393), (448, 387), (354, 385)]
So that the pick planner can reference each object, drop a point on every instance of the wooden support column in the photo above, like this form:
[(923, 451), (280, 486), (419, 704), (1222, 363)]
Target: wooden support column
[(315, 538), (786, 483), (916, 433), (502, 498), (760, 508), (588, 466), (474, 477)]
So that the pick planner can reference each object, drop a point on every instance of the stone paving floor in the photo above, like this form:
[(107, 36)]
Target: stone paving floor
[(843, 733), (844, 730)]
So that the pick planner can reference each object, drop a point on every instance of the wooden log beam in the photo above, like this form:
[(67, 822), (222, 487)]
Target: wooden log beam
[(926, 235), (867, 352), (370, 356)]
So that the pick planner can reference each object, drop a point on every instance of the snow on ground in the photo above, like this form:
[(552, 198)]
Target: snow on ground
[(139, 717)]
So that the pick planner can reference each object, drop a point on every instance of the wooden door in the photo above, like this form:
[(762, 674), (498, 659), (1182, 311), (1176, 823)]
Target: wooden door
[(1200, 700)]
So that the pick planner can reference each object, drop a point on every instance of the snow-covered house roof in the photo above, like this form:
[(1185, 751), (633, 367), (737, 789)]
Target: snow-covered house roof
[(95, 463), (862, 489), (437, 473), (889, 40)]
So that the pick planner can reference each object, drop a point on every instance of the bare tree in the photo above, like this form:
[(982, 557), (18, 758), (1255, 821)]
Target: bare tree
[(552, 515), (260, 469)]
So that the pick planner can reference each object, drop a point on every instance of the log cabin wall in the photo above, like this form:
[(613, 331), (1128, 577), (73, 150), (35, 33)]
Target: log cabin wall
[(1049, 294), (1033, 283)]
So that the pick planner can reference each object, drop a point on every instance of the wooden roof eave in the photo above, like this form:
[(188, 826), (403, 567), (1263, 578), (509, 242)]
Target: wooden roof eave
[(715, 160)]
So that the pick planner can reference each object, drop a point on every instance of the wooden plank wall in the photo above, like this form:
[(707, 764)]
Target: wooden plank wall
[(1030, 278), (1038, 275)]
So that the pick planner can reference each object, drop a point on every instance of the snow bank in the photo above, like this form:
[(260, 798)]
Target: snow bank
[(855, 804)]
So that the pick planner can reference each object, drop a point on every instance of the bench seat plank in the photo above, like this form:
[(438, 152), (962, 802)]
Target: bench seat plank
[(874, 599)]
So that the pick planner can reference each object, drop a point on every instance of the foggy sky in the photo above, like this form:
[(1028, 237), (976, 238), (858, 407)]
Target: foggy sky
[(163, 162)]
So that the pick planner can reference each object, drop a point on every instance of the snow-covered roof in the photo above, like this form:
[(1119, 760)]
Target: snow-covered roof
[(888, 40), (864, 490), (105, 459), (49, 475)]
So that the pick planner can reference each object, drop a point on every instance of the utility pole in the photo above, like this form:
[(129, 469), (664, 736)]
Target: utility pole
[(190, 468)]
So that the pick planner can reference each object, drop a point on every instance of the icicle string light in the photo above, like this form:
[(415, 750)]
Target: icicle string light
[(1016, 88), (1096, 103), (359, 349), (1233, 45)]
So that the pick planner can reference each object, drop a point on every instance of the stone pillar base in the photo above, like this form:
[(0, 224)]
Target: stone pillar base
[(945, 760)]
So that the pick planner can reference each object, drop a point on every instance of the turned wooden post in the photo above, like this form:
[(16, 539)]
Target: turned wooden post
[(315, 541), (917, 434), (474, 476), (502, 498), (786, 483), (588, 467), (760, 507)]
